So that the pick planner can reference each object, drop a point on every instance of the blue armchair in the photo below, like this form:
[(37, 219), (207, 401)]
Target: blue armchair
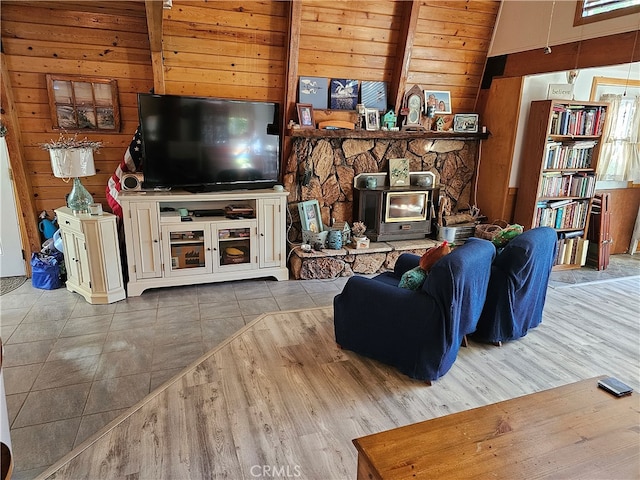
[(518, 287), (418, 332)]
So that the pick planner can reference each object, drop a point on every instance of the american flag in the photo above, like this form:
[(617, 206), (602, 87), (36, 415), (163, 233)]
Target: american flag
[(132, 162)]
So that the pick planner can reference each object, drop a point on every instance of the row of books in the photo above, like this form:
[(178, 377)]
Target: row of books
[(577, 120), (569, 155), (572, 251), (566, 215), (557, 184)]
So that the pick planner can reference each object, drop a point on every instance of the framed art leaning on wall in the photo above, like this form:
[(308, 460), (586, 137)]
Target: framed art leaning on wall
[(80, 103), (438, 99), (465, 123), (310, 218)]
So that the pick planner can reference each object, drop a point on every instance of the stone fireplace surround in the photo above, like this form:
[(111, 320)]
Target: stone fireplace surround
[(322, 167)]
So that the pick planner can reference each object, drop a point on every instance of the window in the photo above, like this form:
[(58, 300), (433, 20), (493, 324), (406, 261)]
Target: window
[(83, 103), (589, 11), (620, 153)]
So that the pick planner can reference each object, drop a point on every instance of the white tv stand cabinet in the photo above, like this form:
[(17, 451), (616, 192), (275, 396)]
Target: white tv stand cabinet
[(164, 251)]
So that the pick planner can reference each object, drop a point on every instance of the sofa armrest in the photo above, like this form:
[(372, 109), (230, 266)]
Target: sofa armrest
[(404, 263), (369, 307)]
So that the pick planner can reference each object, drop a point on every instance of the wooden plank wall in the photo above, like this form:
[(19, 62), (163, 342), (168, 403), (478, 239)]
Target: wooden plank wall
[(226, 49), (352, 40), (230, 49), (450, 48), (349, 40), (106, 39)]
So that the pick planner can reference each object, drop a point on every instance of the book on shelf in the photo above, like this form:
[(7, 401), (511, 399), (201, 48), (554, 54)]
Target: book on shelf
[(559, 203), (571, 234), (581, 254), (561, 249), (577, 120), (583, 184), (572, 250), (572, 154), (559, 217)]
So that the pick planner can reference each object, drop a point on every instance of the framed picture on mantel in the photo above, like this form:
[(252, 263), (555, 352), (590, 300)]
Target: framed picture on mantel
[(314, 90), (439, 100), (465, 123), (310, 217), (305, 115), (399, 172)]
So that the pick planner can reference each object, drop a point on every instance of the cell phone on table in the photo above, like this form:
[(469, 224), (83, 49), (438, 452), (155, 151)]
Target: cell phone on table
[(615, 386)]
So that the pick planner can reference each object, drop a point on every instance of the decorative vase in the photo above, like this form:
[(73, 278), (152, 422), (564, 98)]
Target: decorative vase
[(372, 182), (79, 199), (334, 239)]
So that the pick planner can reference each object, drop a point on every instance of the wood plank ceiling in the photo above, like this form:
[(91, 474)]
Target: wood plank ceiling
[(231, 49)]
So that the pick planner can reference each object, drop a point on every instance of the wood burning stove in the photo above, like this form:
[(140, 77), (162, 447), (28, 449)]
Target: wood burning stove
[(403, 213)]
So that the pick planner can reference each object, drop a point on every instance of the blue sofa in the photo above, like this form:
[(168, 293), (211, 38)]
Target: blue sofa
[(418, 332), (518, 287)]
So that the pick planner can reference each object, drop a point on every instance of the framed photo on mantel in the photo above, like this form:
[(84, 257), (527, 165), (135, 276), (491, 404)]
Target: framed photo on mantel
[(439, 100), (465, 123), (305, 115), (314, 90), (344, 94), (398, 172)]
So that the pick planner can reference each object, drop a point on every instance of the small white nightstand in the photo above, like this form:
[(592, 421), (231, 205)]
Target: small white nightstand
[(92, 256)]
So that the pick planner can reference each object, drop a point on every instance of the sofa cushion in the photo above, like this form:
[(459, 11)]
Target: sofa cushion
[(434, 254), (413, 279)]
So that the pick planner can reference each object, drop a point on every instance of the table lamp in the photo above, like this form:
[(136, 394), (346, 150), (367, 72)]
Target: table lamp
[(74, 163)]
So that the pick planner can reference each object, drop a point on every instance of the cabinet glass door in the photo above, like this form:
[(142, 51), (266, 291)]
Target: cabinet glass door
[(236, 245), (187, 250)]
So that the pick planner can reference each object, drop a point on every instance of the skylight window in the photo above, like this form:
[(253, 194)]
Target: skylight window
[(588, 11)]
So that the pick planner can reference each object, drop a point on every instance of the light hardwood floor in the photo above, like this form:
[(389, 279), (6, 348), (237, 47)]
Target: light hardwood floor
[(279, 399)]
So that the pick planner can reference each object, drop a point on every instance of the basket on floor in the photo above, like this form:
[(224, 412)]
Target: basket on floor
[(489, 231), (498, 232)]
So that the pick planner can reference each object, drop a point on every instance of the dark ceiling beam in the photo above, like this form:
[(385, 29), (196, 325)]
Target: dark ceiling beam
[(398, 85), (154, 27), (594, 52), (291, 73)]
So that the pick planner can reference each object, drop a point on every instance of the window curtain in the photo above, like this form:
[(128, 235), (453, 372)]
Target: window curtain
[(620, 150)]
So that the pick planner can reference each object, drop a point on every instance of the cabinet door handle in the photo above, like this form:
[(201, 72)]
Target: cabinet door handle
[(155, 240), (262, 234), (67, 222)]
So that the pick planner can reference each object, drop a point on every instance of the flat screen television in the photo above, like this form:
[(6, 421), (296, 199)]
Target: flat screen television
[(208, 144)]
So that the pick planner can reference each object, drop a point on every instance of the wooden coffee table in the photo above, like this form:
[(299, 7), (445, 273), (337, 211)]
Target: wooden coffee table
[(574, 431)]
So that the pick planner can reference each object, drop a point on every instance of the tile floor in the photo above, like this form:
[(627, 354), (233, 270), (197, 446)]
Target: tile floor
[(71, 367)]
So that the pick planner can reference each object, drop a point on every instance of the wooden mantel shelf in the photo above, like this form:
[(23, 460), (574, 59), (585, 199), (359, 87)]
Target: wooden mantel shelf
[(401, 135)]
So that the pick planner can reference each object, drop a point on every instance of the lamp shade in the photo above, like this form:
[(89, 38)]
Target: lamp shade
[(72, 162)]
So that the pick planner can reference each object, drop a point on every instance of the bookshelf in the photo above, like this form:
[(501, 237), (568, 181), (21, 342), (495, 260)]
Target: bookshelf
[(560, 156)]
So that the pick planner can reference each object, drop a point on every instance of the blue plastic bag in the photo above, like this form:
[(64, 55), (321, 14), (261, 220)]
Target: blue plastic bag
[(45, 270)]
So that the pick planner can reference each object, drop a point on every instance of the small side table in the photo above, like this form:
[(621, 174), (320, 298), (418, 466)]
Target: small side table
[(92, 256)]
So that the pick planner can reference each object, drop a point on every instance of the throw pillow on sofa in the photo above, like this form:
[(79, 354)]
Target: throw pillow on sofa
[(413, 279), (434, 254)]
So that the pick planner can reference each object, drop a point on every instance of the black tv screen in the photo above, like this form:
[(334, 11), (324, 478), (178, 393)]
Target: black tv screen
[(208, 144)]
